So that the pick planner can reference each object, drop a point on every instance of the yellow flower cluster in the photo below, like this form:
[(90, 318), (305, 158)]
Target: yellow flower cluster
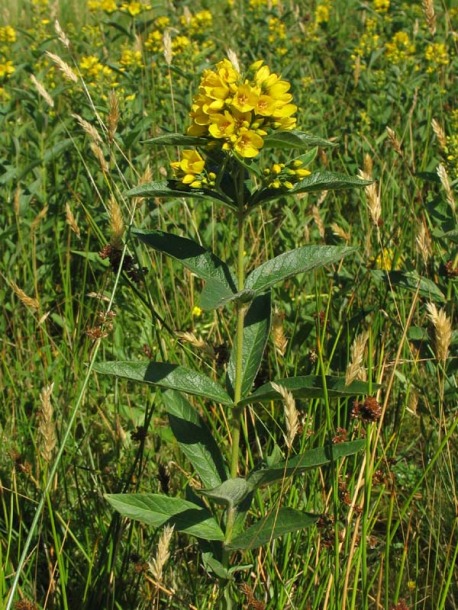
[(381, 6), (198, 23), (281, 175), (108, 6), (386, 260), (263, 3), (92, 67), (191, 170), (131, 59), (7, 34), (369, 41), (277, 34), (6, 69), (322, 12), (239, 112), (134, 8), (400, 49), (436, 55)]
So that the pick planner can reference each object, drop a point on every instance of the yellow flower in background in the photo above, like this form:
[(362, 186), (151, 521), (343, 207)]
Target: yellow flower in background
[(7, 34), (381, 6), (436, 55), (6, 69), (198, 23), (109, 6), (196, 311), (131, 59), (387, 260), (322, 12), (400, 48), (134, 8), (241, 111)]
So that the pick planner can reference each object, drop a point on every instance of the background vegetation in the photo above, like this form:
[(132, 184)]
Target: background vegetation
[(76, 104)]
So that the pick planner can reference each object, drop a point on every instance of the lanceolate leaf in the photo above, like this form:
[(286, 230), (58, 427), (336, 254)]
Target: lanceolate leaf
[(256, 327), (310, 386), (410, 280), (193, 256), (195, 439), (215, 295), (157, 510), (318, 181), (278, 523), (169, 376), (173, 188), (294, 139), (295, 261), (305, 461), (231, 493)]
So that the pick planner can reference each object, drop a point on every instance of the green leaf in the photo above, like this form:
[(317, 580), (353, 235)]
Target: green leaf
[(295, 261), (310, 386), (410, 280), (231, 493), (215, 295), (256, 327), (212, 565), (294, 139), (175, 139), (279, 523), (195, 439), (157, 510), (169, 376), (318, 181), (305, 461), (173, 188), (193, 256)]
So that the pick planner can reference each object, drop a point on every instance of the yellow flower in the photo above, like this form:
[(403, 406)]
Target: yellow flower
[(190, 169), (134, 8), (7, 34), (240, 111), (436, 55), (381, 6), (6, 69), (196, 311), (321, 14), (109, 6), (400, 48), (386, 260), (222, 125), (247, 145), (131, 58)]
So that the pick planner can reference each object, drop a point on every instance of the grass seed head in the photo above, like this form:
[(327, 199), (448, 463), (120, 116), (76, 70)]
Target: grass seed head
[(63, 67), (291, 413), (157, 564), (430, 15), (439, 133), (42, 91), (46, 428), (443, 330), (71, 220), (355, 369), (24, 298), (445, 181)]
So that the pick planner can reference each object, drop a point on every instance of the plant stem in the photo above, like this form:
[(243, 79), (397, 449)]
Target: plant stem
[(237, 411)]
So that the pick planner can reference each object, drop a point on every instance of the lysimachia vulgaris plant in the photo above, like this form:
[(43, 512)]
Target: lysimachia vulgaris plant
[(235, 118)]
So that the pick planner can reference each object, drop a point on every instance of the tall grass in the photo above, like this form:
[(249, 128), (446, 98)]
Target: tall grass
[(387, 537)]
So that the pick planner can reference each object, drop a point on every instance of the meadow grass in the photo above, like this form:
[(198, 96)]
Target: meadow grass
[(378, 79)]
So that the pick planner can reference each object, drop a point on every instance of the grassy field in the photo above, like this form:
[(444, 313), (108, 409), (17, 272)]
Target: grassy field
[(83, 87)]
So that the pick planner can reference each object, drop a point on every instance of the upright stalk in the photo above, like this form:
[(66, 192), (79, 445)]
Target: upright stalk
[(241, 308), (237, 412)]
